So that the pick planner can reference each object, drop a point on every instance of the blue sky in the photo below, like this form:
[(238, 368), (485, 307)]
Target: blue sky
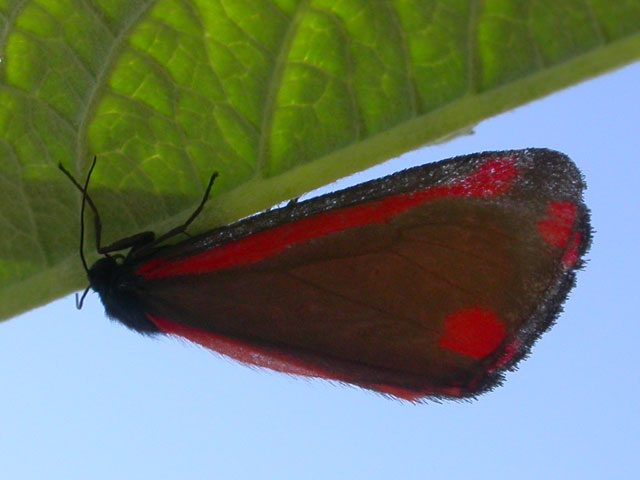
[(83, 397)]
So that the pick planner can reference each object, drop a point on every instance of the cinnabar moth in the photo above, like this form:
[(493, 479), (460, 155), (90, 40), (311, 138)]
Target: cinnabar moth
[(431, 282)]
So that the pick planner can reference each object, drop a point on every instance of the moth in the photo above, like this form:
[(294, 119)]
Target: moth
[(428, 283)]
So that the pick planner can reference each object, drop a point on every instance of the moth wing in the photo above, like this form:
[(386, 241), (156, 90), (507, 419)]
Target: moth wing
[(439, 300)]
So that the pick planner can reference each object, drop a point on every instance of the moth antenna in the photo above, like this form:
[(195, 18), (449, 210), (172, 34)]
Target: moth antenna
[(85, 199), (80, 300)]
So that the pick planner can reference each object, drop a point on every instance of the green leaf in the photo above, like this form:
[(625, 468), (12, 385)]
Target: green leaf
[(278, 96)]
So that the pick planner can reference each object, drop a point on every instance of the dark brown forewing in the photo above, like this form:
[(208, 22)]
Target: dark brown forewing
[(371, 303)]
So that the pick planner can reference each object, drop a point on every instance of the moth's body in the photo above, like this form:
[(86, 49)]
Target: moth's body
[(429, 282)]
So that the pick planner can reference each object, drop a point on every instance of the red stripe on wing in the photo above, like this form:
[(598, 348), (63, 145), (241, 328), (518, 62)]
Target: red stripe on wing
[(493, 178)]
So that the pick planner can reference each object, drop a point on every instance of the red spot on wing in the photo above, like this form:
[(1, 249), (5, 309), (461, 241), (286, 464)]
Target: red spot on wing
[(494, 177), (473, 332), (557, 226)]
